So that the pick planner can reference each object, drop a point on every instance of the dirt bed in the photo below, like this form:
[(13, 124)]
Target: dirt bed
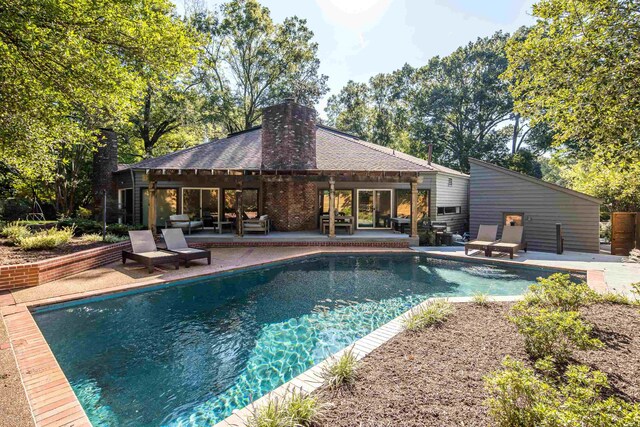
[(435, 377), (14, 255)]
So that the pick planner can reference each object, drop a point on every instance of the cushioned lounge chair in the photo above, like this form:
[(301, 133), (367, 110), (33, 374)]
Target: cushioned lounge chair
[(511, 241), (184, 222), (145, 251), (175, 241), (486, 236), (260, 225)]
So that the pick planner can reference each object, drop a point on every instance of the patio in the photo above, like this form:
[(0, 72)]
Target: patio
[(312, 236)]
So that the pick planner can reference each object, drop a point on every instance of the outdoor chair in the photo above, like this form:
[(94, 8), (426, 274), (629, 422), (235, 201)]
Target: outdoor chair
[(145, 251), (486, 236), (184, 222), (511, 241), (261, 224), (175, 241)]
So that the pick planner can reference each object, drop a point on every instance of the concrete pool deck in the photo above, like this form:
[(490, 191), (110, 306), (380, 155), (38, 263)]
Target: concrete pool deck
[(50, 398)]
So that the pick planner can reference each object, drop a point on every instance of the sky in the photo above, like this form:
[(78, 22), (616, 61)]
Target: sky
[(360, 38)]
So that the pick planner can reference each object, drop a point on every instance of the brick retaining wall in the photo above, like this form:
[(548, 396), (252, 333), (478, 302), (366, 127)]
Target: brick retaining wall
[(48, 270)]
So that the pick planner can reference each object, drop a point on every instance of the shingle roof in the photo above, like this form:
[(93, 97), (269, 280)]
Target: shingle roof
[(335, 151)]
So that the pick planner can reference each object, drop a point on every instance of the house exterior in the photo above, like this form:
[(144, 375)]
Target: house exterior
[(500, 196), (291, 168)]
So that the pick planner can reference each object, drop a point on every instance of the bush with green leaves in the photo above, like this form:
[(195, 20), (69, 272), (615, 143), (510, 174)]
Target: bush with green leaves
[(434, 313), (341, 371), (520, 397), (295, 410), (554, 333), (91, 238), (480, 299), (45, 239), (559, 292), (14, 231), (81, 226)]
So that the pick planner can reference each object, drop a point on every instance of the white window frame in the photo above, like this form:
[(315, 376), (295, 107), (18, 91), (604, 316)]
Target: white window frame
[(358, 190), (120, 194)]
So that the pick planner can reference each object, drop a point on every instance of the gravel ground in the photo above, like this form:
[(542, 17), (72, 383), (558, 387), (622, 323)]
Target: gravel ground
[(15, 410), (435, 377)]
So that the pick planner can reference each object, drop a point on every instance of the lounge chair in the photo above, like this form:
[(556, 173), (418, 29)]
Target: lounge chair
[(486, 236), (511, 241), (175, 241), (184, 222), (145, 251)]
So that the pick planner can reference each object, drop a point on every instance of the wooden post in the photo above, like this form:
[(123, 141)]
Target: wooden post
[(332, 207), (637, 230), (239, 230), (151, 219), (414, 209)]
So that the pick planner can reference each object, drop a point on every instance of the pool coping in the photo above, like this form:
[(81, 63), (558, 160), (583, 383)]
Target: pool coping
[(53, 402)]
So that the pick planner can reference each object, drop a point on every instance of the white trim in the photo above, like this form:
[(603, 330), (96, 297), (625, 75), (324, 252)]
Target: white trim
[(357, 212)]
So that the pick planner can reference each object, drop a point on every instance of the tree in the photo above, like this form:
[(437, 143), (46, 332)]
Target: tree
[(350, 110), (577, 70), (70, 68), (250, 62), (460, 101)]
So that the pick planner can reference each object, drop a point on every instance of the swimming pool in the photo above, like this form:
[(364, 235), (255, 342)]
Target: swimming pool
[(190, 353)]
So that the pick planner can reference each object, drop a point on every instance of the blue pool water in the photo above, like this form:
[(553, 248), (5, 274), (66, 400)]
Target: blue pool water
[(188, 354)]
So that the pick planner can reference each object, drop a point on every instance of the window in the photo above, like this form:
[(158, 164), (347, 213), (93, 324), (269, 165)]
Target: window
[(166, 204), (343, 202), (125, 206), (449, 210), (511, 218), (403, 204), (200, 202), (450, 182), (249, 204)]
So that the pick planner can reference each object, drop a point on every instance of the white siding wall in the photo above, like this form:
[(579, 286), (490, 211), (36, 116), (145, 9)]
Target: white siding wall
[(494, 192), (456, 195)]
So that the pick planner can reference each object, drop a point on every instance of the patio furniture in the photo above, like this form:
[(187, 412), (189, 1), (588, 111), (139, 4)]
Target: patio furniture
[(399, 224), (341, 221), (184, 222), (261, 225), (175, 241), (222, 224), (511, 241), (145, 251), (486, 236)]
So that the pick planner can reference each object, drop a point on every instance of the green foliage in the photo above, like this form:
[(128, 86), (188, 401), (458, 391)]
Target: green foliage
[(558, 292), (14, 231), (45, 239), (13, 209), (91, 238), (113, 238), (433, 313), (521, 398), (552, 332), (481, 299), (294, 410), (574, 71), (81, 226), (616, 298), (84, 213), (342, 371)]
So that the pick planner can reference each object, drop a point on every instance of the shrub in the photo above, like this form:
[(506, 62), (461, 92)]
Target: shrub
[(82, 226), (481, 299), (112, 238), (616, 298), (122, 230), (13, 208), (294, 410), (342, 371), (559, 292), (84, 213), (91, 238), (46, 239), (552, 333), (433, 313), (518, 397), (14, 231)]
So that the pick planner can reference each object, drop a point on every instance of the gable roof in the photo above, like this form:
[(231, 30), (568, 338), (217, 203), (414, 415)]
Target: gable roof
[(335, 151), (537, 181)]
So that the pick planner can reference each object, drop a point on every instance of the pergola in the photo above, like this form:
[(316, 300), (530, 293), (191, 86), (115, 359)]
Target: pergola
[(240, 178)]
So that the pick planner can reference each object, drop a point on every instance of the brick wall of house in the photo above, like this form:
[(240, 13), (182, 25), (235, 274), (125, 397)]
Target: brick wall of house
[(36, 273), (292, 206), (288, 137)]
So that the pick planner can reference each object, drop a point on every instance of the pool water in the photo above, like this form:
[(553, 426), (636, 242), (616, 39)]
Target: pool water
[(188, 354)]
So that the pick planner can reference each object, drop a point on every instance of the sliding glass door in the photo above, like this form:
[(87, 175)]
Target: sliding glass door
[(374, 209)]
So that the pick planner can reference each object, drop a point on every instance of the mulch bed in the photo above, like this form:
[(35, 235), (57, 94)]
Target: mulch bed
[(14, 255), (435, 377)]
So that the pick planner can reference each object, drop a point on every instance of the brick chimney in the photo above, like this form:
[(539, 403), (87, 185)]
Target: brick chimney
[(288, 137)]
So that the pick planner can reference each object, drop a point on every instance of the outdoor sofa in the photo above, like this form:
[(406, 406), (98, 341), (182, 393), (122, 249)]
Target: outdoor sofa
[(175, 242), (184, 222), (486, 236), (145, 251), (511, 241), (261, 225)]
